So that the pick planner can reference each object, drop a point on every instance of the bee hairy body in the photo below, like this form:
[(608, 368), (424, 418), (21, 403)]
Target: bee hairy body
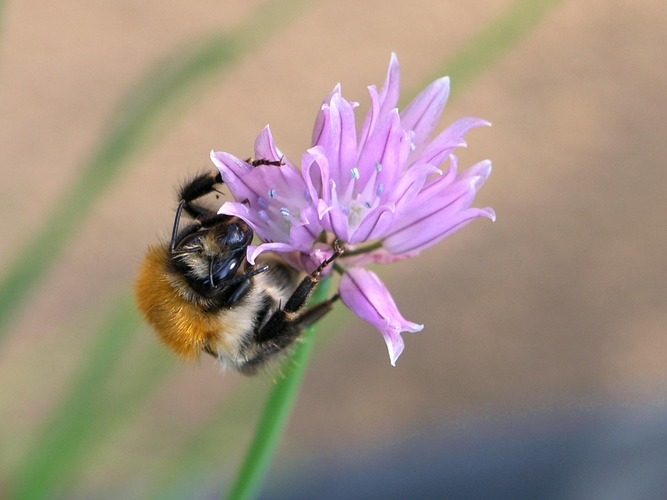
[(200, 293)]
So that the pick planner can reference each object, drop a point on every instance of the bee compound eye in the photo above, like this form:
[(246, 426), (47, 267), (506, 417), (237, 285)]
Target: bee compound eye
[(224, 269), (236, 235)]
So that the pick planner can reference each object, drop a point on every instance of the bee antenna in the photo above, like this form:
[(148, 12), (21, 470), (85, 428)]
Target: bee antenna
[(177, 221), (246, 276), (210, 271)]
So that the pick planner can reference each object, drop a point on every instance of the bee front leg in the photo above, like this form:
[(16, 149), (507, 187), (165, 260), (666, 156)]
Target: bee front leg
[(280, 332), (196, 188), (291, 312)]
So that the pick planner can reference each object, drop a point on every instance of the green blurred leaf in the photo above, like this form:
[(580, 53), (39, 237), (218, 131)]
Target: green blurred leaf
[(212, 445), (70, 429), (70, 433), (496, 40)]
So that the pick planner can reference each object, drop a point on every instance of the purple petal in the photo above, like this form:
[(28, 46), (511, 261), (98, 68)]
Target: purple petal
[(233, 172), (319, 121), (334, 220), (412, 241), (450, 139), (255, 251), (265, 148), (274, 200), (410, 183), (315, 173), (423, 114), (374, 224), (308, 261), (386, 151), (362, 291), (391, 89), (382, 102), (371, 119), (440, 210), (338, 139), (240, 210)]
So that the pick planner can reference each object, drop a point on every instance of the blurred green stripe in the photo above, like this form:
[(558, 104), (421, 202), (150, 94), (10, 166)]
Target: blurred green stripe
[(59, 453), (495, 41), (140, 113), (71, 428), (119, 406), (211, 445)]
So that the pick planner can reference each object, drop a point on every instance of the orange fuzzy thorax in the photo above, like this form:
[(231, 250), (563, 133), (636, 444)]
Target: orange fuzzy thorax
[(181, 325)]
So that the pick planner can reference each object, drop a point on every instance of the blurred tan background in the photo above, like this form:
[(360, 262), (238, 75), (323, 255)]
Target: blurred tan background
[(558, 306)]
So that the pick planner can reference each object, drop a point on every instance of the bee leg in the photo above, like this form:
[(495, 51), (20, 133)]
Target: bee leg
[(284, 336), (313, 314), (200, 186), (196, 188), (286, 324), (299, 298)]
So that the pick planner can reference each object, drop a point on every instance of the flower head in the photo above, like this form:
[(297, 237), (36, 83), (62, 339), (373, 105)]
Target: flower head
[(386, 184), (389, 190)]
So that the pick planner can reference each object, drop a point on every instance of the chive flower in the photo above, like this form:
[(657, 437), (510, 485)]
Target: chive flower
[(388, 189)]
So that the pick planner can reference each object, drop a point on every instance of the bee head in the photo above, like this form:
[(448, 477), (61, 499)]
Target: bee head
[(210, 257)]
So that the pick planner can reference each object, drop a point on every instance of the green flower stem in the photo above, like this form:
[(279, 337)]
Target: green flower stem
[(276, 414), (362, 250)]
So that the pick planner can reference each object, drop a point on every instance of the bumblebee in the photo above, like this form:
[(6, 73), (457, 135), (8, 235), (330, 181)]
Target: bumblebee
[(200, 293)]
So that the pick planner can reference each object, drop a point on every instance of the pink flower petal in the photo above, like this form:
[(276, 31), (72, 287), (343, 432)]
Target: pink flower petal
[(441, 209), (391, 89), (255, 251), (382, 102), (319, 121), (233, 171), (374, 224), (266, 149), (338, 139), (315, 172), (422, 115), (411, 183), (274, 200), (385, 151), (362, 291), (450, 139)]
